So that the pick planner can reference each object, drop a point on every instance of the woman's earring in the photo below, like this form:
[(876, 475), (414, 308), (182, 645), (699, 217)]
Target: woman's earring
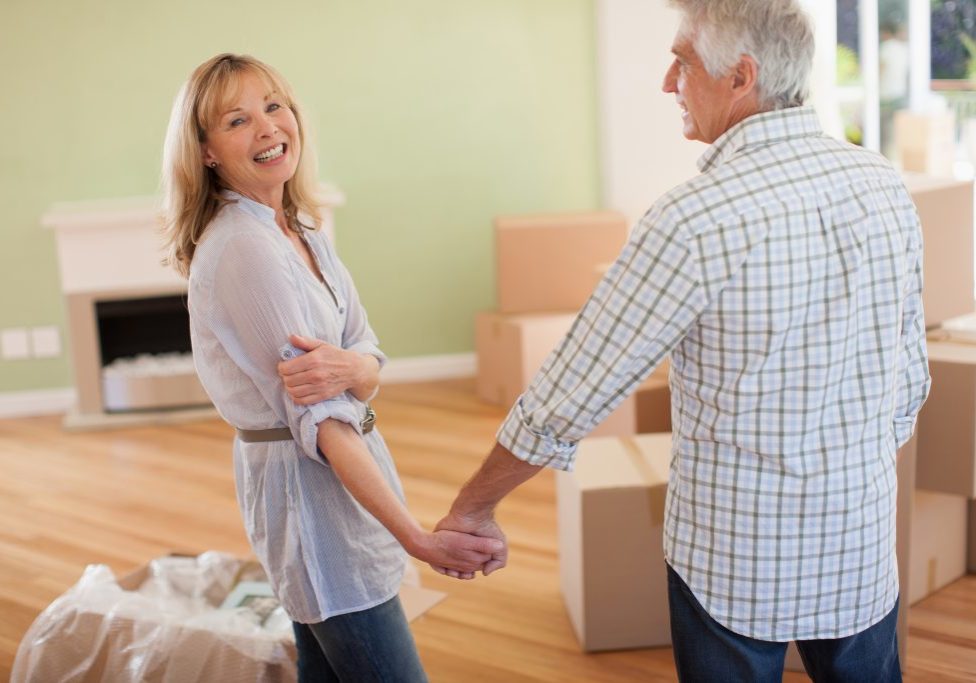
[(213, 164)]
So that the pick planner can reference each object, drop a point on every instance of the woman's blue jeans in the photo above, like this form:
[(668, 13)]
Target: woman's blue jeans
[(372, 646), (706, 651)]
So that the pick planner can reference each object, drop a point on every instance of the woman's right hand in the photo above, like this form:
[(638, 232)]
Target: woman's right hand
[(326, 371), (464, 553)]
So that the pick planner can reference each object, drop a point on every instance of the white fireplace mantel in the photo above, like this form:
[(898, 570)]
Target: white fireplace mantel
[(116, 244)]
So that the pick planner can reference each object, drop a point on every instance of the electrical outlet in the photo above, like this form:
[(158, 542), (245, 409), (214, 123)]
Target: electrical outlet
[(45, 341), (14, 343)]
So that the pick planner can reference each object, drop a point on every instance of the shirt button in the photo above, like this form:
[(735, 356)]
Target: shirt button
[(342, 309)]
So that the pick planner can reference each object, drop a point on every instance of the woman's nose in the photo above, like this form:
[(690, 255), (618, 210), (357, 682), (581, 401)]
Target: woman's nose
[(266, 125)]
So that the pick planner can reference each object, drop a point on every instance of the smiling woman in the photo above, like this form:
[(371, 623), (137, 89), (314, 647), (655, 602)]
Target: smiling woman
[(318, 490)]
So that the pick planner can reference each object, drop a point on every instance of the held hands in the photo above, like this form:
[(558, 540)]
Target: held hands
[(482, 526), (327, 371), (456, 553)]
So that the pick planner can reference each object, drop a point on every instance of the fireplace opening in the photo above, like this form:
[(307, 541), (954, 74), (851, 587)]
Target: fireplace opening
[(144, 347), (132, 327)]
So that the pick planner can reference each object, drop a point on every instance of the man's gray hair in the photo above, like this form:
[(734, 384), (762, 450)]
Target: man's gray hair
[(778, 34)]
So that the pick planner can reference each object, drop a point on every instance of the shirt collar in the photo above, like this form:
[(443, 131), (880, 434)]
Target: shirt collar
[(760, 130), (256, 209)]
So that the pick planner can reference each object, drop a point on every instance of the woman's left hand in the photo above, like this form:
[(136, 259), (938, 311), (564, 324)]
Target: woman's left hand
[(326, 371)]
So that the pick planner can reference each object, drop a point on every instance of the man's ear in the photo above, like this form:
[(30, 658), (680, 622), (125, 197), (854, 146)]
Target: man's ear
[(745, 77)]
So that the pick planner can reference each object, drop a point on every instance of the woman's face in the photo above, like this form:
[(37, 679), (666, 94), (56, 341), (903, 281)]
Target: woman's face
[(255, 141)]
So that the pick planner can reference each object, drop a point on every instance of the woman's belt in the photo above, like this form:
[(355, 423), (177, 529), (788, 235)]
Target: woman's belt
[(284, 433)]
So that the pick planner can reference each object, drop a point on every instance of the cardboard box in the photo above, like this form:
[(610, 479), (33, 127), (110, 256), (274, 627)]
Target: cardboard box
[(101, 630), (971, 545), (945, 210), (653, 400), (511, 349), (926, 142), (938, 542), (947, 423), (548, 262), (611, 556)]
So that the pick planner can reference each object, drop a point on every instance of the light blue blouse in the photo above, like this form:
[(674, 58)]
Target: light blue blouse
[(249, 289)]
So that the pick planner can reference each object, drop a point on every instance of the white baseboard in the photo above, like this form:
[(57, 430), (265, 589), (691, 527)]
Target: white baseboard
[(428, 368), (39, 402), (397, 371)]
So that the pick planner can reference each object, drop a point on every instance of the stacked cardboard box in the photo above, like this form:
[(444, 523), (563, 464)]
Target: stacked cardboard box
[(946, 427), (926, 142), (946, 477), (547, 267), (945, 210)]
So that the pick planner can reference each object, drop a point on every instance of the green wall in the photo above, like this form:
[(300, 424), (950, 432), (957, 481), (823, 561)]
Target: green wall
[(432, 116)]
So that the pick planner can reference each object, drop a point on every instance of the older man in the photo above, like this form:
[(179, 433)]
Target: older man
[(785, 283)]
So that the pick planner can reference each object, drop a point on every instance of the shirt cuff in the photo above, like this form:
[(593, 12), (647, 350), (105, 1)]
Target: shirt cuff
[(338, 408), (904, 427), (534, 444)]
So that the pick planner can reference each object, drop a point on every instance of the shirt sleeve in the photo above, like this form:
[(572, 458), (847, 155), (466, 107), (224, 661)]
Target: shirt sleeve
[(357, 336), (639, 311), (914, 378), (258, 304)]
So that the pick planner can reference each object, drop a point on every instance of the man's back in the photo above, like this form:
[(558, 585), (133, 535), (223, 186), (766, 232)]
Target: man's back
[(789, 383)]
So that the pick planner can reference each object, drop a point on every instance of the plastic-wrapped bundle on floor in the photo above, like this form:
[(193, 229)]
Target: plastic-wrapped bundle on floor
[(161, 624)]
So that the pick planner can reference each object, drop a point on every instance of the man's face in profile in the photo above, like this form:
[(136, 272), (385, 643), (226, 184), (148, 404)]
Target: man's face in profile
[(705, 102)]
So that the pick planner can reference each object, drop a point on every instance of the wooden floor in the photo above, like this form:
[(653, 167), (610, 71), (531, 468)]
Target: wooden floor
[(123, 497)]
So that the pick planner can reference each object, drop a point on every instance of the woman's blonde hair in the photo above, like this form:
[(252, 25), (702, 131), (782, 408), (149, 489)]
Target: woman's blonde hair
[(191, 190)]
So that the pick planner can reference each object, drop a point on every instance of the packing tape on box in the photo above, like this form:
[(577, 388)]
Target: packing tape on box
[(656, 493)]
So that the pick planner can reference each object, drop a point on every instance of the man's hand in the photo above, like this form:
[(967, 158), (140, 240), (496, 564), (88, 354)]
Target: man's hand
[(326, 371), (480, 525)]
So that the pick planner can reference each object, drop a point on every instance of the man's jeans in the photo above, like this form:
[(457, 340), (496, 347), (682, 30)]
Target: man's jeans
[(707, 652), (372, 646)]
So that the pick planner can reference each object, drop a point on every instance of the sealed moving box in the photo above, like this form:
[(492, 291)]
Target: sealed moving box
[(611, 552), (945, 210), (947, 422), (938, 542), (549, 262)]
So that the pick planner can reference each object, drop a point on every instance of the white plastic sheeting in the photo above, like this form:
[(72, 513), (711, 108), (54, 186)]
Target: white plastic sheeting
[(161, 624)]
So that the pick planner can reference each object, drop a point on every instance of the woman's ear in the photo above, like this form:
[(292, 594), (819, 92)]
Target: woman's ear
[(208, 158)]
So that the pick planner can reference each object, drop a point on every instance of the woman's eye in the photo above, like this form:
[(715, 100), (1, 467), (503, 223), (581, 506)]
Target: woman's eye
[(236, 122), (274, 106)]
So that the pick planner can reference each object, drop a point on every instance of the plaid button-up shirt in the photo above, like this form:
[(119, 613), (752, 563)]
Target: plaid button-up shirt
[(785, 281)]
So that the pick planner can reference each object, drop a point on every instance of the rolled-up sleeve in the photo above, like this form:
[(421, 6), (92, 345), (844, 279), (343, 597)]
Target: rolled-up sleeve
[(914, 377), (640, 310), (256, 305)]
